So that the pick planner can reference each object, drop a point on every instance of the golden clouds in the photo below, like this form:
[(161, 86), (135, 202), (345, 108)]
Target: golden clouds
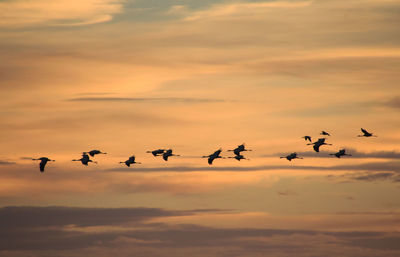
[(240, 9), (21, 13)]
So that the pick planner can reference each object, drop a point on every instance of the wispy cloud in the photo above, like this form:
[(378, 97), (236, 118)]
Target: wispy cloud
[(21, 13), (145, 99), (370, 166), (4, 162), (219, 11), (353, 152), (393, 103)]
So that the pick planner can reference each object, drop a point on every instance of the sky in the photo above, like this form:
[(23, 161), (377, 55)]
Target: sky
[(129, 76)]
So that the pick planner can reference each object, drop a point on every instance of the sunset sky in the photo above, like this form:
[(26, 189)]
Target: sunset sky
[(129, 76)]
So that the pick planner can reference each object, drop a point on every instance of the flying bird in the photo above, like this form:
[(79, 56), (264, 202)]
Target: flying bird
[(167, 154), (239, 149), (157, 152), (325, 133), (366, 133), (43, 162), (239, 157), (94, 152), (307, 138), (130, 161), (341, 153), (291, 156), (213, 156), (84, 160), (318, 144)]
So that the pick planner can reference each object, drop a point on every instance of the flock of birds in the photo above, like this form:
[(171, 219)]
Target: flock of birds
[(166, 153)]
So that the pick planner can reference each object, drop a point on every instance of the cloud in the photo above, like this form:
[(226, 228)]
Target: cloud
[(22, 13), (109, 231), (393, 103), (374, 176), (369, 176), (4, 162), (24, 217), (220, 11), (355, 154), (371, 166), (142, 99)]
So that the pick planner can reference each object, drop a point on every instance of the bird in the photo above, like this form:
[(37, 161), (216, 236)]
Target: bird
[(213, 156), (157, 152), (366, 133), (307, 138), (94, 152), (130, 161), (43, 162), (239, 157), (239, 149), (292, 156), (84, 160), (167, 154), (318, 144), (325, 133), (341, 153)]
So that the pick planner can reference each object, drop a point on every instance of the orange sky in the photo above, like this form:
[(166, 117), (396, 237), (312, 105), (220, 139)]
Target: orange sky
[(128, 76)]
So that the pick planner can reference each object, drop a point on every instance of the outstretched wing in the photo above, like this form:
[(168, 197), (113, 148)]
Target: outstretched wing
[(364, 131)]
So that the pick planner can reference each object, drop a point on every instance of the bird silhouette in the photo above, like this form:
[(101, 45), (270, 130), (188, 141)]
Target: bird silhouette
[(130, 161), (291, 156), (366, 133), (214, 156), (167, 154), (307, 138), (239, 149), (84, 160), (94, 152), (324, 133), (43, 162), (341, 153), (157, 152), (318, 144), (239, 157)]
